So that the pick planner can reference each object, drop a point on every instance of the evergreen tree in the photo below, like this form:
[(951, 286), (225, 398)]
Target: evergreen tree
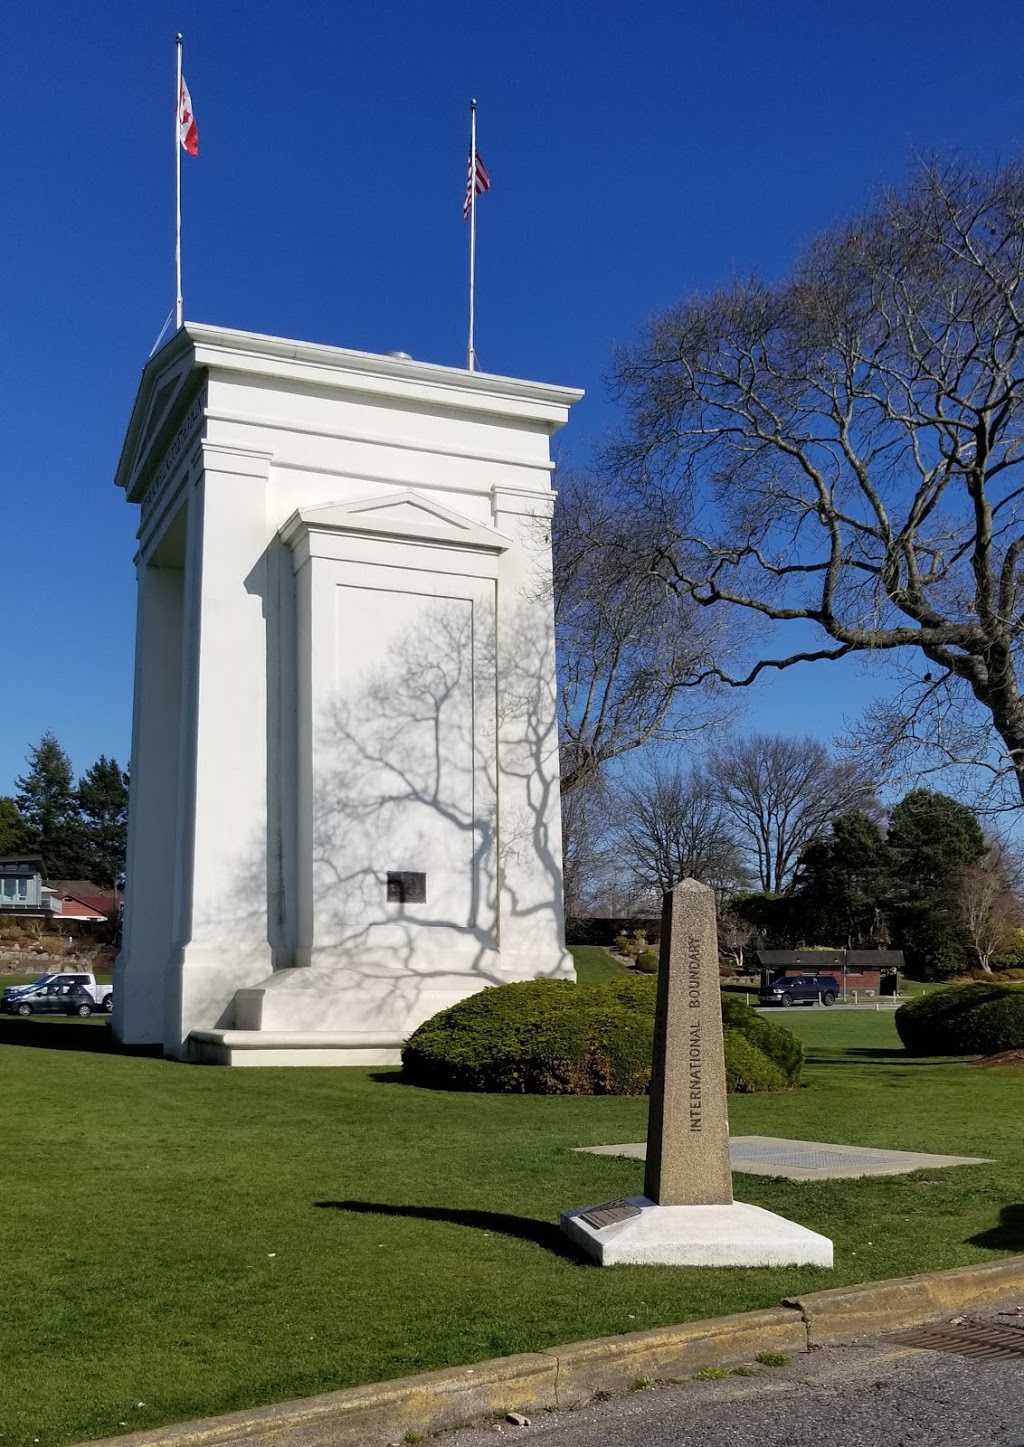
[(103, 803), (11, 826), (844, 886), (48, 802), (772, 917), (932, 840)]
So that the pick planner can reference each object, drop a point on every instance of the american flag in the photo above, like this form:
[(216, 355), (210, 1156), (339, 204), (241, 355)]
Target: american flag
[(483, 183)]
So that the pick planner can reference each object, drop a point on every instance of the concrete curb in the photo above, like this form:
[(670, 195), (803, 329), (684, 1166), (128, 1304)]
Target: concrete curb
[(851, 1311), (614, 1362), (568, 1376)]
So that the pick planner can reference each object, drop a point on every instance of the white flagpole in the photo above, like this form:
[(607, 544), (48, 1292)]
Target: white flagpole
[(471, 350), (177, 190)]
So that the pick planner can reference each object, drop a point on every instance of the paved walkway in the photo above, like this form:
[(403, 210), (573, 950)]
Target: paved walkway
[(878, 1005)]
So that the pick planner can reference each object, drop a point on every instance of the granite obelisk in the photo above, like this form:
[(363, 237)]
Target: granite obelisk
[(687, 1216), (688, 1124)]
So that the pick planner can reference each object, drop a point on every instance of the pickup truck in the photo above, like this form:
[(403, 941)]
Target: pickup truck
[(101, 995)]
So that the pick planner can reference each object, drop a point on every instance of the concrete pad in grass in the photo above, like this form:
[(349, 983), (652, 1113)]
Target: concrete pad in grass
[(761, 1155)]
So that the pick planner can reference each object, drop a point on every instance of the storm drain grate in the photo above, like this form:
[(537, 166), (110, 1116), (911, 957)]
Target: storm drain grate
[(984, 1343)]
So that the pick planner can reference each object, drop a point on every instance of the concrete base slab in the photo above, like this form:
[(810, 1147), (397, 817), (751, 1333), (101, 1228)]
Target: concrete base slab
[(292, 1047), (653, 1235), (761, 1155)]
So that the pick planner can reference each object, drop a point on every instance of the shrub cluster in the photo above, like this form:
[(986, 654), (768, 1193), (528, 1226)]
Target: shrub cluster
[(647, 962), (978, 1019), (550, 1037), (634, 946), (759, 1054), (1002, 973)]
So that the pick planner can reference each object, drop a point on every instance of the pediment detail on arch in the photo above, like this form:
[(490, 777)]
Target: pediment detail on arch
[(403, 514), (160, 407)]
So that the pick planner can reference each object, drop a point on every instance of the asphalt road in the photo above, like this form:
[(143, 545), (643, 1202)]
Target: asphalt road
[(878, 1395), (864, 1005)]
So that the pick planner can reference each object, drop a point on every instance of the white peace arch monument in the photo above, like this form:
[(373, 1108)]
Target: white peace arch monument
[(344, 802)]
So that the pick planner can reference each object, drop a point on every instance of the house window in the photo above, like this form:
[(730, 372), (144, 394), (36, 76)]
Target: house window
[(14, 889)]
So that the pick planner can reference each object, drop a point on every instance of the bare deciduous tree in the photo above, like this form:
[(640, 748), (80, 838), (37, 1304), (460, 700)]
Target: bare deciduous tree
[(734, 934), (672, 826), (991, 911), (634, 654), (585, 851), (781, 794), (844, 453)]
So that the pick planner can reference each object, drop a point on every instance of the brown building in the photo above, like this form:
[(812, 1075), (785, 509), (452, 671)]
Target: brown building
[(877, 970)]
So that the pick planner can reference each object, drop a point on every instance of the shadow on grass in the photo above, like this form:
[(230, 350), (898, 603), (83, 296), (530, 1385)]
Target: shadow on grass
[(1008, 1235), (398, 1077), (85, 1038), (861, 1054), (521, 1228)]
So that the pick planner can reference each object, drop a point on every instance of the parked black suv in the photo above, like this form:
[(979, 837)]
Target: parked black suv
[(800, 990)]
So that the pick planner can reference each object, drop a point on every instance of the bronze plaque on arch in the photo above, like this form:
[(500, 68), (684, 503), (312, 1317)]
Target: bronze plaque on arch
[(406, 888)]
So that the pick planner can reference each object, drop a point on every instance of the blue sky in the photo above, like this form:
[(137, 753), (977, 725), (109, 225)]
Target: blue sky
[(636, 151)]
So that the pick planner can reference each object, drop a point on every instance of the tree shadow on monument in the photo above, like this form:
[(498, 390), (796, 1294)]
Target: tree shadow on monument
[(401, 778), (545, 1234), (405, 776)]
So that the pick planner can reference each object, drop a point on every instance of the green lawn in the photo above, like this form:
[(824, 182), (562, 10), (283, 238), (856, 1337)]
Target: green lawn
[(595, 966), (921, 987), (182, 1241)]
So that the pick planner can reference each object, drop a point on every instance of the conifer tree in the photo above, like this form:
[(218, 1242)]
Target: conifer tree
[(48, 802), (932, 840), (103, 803), (11, 827), (844, 888)]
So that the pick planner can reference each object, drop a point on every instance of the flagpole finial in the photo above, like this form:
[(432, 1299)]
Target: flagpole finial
[(178, 37)]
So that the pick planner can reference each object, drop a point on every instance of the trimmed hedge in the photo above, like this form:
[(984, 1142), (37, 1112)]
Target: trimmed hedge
[(980, 1019), (549, 1037), (773, 1044)]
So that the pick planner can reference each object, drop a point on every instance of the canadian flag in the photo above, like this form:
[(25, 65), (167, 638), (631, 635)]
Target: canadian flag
[(188, 131)]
